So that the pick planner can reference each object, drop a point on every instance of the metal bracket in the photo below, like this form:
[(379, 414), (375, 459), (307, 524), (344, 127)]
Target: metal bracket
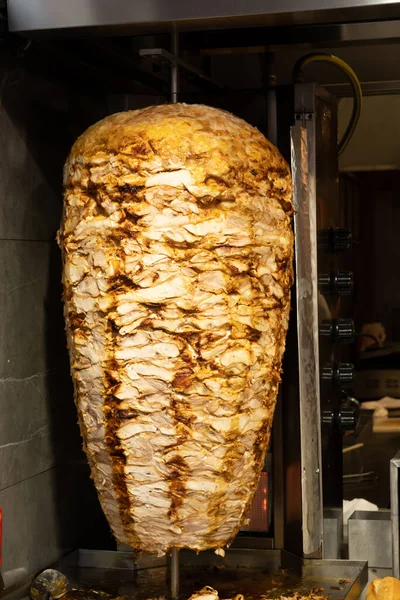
[(305, 227), (394, 503), (161, 56), (304, 116)]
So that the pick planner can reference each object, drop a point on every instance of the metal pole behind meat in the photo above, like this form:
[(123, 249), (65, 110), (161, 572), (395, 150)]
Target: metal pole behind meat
[(174, 560), (174, 66), (174, 567)]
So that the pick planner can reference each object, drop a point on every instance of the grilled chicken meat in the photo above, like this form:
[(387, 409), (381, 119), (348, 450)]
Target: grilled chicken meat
[(177, 265), (208, 593)]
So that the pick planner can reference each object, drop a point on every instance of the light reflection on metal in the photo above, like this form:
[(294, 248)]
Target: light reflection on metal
[(175, 66), (159, 55), (305, 226), (395, 505)]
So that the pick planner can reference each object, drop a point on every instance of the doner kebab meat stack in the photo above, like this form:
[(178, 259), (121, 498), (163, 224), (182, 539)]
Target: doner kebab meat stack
[(177, 266)]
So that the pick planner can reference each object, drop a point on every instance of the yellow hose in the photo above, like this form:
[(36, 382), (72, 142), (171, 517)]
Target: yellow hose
[(354, 81)]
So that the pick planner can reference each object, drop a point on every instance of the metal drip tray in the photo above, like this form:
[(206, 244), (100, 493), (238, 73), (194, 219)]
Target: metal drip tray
[(256, 574)]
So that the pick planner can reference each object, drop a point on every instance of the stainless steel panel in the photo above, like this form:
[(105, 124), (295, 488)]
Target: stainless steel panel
[(234, 558), (370, 538), (240, 571), (109, 559), (258, 40), (369, 88), (341, 570), (305, 225), (34, 15), (264, 567), (333, 533), (250, 572), (395, 505), (241, 541)]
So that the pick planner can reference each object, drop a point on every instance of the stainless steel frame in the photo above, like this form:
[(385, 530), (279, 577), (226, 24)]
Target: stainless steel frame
[(370, 538), (369, 88), (313, 573), (313, 480), (333, 532), (395, 505), (242, 571), (258, 40), (305, 226), (40, 15), (101, 569)]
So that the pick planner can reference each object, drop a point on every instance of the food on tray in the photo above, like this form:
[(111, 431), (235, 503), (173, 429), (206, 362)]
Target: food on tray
[(208, 593)]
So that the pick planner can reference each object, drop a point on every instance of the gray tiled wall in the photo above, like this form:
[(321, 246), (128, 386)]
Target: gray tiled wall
[(26, 447), (29, 207), (30, 515), (48, 501)]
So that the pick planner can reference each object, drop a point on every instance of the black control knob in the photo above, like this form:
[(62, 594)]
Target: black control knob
[(339, 330), (335, 240), (342, 240), (342, 373), (349, 414), (328, 417), (337, 283)]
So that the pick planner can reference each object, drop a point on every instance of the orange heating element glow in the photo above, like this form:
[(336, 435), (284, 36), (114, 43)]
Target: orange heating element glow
[(258, 516)]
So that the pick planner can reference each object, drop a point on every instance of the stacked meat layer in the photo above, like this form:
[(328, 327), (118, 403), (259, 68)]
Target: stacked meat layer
[(177, 251)]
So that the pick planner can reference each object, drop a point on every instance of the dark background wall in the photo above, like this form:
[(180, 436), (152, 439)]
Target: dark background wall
[(371, 208), (48, 501)]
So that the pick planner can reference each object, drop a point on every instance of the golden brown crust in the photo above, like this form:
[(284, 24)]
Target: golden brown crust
[(384, 589), (191, 135), (177, 250)]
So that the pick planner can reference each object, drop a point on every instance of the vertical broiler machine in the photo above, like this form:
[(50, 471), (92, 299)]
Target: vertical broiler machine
[(296, 518)]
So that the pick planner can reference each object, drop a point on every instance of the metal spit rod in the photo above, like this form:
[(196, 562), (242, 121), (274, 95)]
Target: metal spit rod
[(174, 560), (174, 566), (174, 66)]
